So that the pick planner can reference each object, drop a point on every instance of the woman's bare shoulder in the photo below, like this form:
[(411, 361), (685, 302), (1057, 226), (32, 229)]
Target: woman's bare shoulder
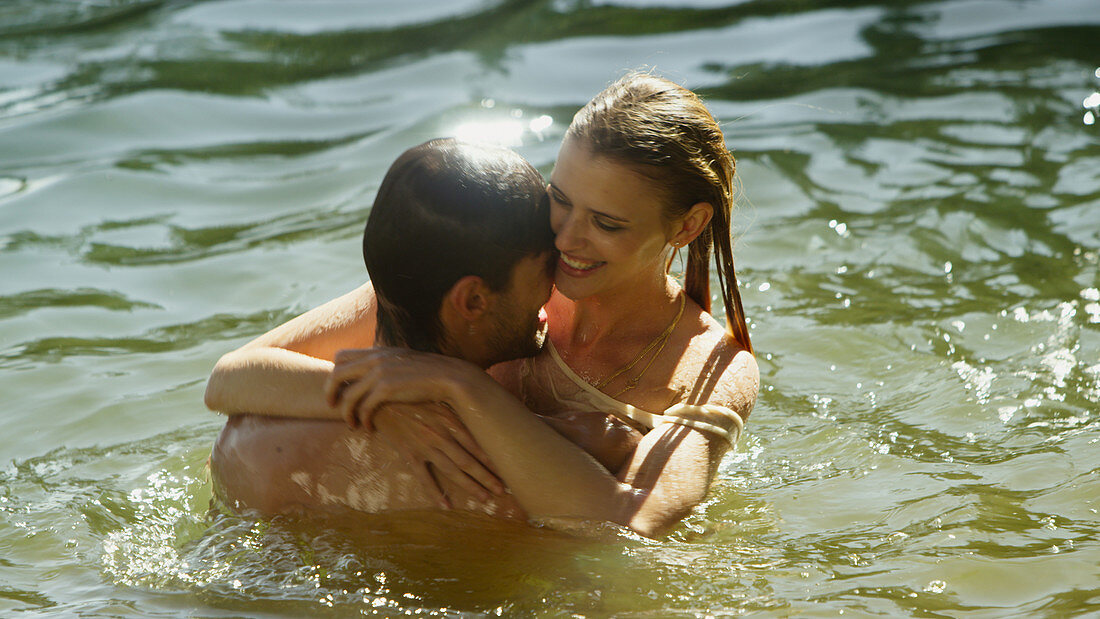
[(508, 374), (720, 371)]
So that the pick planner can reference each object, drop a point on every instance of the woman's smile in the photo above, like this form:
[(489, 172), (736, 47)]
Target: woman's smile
[(608, 220), (577, 267)]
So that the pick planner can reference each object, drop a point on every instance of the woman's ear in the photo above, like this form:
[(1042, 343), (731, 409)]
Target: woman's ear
[(692, 224)]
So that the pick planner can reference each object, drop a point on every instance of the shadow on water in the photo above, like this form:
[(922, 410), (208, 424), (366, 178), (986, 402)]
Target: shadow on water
[(172, 338), (187, 244)]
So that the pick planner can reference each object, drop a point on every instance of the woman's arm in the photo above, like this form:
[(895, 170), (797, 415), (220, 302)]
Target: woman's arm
[(664, 479), (283, 371), (667, 475), (676, 463)]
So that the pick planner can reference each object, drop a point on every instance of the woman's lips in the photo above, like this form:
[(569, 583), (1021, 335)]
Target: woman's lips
[(577, 267)]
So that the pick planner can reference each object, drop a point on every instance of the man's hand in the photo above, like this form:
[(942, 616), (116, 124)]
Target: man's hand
[(435, 444)]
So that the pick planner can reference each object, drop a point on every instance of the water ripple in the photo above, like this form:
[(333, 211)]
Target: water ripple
[(917, 242)]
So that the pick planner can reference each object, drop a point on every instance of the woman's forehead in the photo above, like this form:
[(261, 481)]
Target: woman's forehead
[(598, 180)]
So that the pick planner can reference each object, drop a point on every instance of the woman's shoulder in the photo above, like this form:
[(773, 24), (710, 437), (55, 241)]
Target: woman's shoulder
[(719, 371), (509, 374)]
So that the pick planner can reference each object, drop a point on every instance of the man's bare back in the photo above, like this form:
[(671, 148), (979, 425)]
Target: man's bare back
[(279, 465), (284, 465)]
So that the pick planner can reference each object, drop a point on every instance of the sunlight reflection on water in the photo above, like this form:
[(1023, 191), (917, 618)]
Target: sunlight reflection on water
[(512, 131)]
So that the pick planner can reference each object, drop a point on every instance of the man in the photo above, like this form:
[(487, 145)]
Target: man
[(458, 247)]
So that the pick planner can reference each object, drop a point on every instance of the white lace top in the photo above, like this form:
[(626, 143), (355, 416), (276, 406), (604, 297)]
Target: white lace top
[(556, 387)]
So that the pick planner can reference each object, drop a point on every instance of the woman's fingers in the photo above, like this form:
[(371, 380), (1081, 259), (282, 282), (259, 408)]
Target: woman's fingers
[(433, 433), (454, 442), (352, 366), (421, 470), (348, 404), (461, 448), (445, 466), (358, 400), (347, 355), (393, 375), (420, 445), (344, 375), (468, 472), (462, 435)]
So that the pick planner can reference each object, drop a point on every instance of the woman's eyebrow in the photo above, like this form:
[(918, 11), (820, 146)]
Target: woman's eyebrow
[(565, 198), (557, 190), (612, 217)]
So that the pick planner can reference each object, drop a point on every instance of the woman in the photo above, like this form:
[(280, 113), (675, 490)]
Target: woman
[(636, 372)]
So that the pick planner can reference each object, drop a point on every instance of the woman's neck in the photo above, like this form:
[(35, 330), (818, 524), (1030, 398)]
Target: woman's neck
[(586, 322)]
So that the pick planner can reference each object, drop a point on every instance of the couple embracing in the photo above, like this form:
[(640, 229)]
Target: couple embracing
[(520, 349)]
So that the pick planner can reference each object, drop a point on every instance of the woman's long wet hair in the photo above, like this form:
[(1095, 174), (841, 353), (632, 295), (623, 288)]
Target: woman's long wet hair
[(664, 131), (445, 210)]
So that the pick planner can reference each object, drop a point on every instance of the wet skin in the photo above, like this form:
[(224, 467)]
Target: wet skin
[(284, 465)]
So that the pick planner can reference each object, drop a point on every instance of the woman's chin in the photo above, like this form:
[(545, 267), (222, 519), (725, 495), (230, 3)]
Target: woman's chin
[(577, 285), (571, 289)]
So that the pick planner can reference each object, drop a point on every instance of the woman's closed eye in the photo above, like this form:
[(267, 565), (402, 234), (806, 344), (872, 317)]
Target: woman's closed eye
[(557, 197), (600, 220), (606, 225)]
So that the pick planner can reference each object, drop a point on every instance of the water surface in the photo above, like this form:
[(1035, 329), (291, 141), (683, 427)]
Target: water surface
[(918, 239)]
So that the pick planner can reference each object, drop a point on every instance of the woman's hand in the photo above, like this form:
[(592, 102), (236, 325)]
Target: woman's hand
[(406, 386), (364, 379), (435, 444)]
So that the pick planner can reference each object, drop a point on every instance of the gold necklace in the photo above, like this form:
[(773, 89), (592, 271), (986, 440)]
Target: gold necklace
[(659, 343)]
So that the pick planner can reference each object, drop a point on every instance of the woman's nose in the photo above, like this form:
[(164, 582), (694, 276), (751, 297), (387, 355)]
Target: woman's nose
[(570, 235)]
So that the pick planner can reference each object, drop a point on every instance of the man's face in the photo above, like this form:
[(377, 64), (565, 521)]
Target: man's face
[(519, 324)]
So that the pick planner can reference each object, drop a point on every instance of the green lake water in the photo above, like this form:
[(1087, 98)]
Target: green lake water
[(917, 236)]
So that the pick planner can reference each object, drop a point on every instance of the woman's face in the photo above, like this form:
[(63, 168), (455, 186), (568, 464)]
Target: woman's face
[(607, 218)]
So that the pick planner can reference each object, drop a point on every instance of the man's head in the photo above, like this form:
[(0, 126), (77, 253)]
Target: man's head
[(457, 245)]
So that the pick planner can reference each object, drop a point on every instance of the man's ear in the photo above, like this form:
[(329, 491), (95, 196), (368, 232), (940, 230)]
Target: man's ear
[(692, 224), (468, 299)]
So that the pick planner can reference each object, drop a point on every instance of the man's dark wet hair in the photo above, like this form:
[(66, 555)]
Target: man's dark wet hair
[(445, 210)]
